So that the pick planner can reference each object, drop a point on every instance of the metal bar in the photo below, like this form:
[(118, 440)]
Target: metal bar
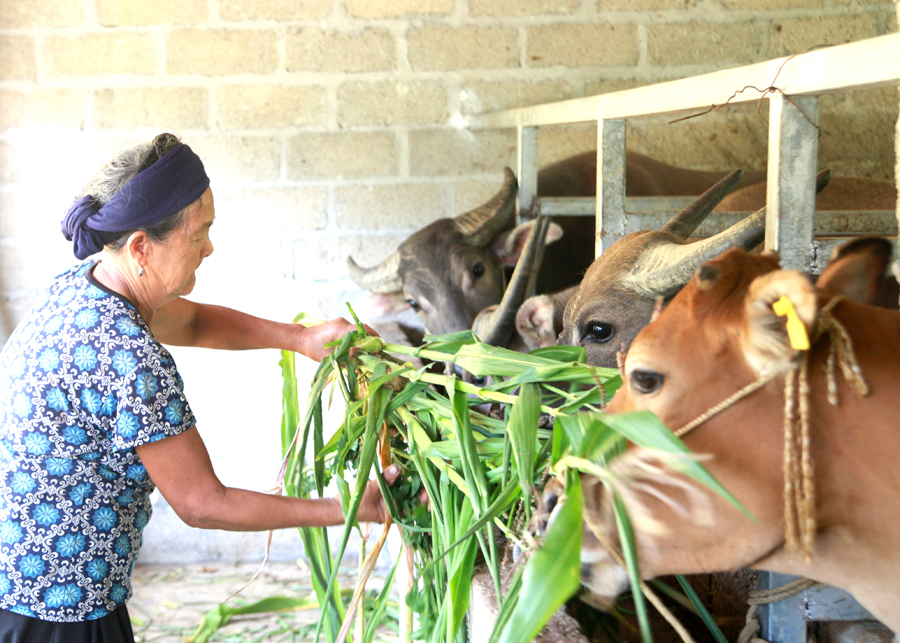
[(832, 604), (791, 195), (527, 172), (610, 184), (781, 622), (874, 62), (587, 206)]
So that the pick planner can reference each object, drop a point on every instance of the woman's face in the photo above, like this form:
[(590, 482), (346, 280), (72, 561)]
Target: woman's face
[(179, 256)]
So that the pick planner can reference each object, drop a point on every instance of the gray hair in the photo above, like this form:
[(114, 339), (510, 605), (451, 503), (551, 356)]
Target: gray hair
[(113, 176)]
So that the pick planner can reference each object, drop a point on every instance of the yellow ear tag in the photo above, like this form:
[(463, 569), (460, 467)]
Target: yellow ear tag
[(795, 328)]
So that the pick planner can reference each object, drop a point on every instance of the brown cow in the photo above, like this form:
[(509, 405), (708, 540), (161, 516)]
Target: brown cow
[(720, 334)]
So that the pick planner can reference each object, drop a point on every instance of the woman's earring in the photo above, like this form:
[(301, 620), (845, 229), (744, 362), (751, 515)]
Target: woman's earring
[(140, 271)]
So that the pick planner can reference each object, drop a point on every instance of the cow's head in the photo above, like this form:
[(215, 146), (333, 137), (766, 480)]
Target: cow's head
[(718, 335), (453, 268), (621, 289), (710, 341)]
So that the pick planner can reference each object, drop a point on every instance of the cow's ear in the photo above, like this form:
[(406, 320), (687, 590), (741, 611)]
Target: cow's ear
[(857, 269), (510, 244), (769, 344)]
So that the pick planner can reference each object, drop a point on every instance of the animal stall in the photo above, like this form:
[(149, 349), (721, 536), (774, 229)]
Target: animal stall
[(792, 86)]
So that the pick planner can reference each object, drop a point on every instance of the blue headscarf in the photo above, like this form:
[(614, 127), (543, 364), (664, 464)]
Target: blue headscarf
[(175, 181)]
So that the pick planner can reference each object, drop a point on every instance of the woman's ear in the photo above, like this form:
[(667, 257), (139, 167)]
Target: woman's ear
[(139, 249), (779, 311)]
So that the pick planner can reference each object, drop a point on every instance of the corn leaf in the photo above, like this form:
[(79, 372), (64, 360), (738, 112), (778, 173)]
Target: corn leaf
[(380, 604), (705, 616), (472, 466), (646, 430), (552, 574), (629, 553), (562, 353), (221, 614), (449, 449), (459, 586), (465, 461), (374, 420), (522, 430)]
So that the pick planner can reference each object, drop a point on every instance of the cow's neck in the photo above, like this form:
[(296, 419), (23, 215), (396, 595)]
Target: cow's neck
[(855, 449)]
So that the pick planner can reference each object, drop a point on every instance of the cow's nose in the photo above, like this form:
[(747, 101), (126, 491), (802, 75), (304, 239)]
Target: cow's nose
[(585, 573), (550, 500), (553, 491)]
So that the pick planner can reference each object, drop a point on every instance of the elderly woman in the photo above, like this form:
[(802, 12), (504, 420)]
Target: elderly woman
[(94, 414)]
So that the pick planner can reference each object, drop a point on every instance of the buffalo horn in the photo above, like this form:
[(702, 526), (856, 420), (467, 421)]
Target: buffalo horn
[(481, 225), (683, 224), (665, 268), (383, 278), (495, 325)]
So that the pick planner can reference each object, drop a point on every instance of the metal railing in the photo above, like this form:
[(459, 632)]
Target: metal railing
[(791, 85)]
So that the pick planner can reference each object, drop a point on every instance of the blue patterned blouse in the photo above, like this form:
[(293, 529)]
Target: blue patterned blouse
[(82, 383)]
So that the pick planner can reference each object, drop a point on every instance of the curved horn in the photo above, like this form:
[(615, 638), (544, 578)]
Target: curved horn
[(683, 224), (381, 279), (482, 224), (665, 268), (495, 325), (822, 179)]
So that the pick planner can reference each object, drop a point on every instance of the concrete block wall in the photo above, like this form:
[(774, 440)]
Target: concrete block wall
[(332, 127)]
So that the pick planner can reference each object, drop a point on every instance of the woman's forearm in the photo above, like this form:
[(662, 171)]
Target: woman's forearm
[(186, 323), (243, 510), (180, 467)]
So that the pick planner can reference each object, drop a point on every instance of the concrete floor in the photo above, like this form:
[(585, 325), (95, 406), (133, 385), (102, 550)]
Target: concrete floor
[(170, 600)]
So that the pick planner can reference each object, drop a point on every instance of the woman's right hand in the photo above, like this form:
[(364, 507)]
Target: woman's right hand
[(313, 338)]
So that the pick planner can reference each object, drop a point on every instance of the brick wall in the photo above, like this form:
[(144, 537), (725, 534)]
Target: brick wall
[(332, 127)]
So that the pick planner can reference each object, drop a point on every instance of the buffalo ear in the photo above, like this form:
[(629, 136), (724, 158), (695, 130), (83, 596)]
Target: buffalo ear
[(857, 269), (510, 244), (538, 322), (766, 342), (376, 306)]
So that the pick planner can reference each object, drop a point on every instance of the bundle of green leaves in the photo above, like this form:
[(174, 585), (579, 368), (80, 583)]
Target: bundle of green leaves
[(479, 452)]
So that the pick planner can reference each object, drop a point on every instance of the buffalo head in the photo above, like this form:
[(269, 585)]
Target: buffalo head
[(623, 286), (453, 268)]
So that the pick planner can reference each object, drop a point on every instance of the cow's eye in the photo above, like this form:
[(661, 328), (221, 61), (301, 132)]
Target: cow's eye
[(597, 331), (478, 381), (414, 304), (646, 381), (478, 270)]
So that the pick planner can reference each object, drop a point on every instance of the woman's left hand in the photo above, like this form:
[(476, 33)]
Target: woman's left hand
[(314, 338), (372, 508)]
